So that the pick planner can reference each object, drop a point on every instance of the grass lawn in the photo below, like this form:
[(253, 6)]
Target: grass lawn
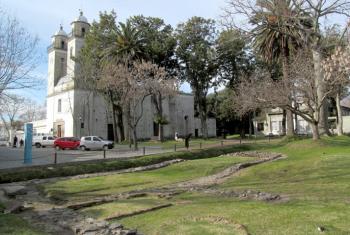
[(315, 178), (13, 225), (82, 189)]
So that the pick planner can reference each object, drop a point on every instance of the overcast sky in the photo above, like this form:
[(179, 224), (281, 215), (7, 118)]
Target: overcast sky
[(43, 17)]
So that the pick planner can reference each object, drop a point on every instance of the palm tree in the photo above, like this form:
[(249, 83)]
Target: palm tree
[(276, 38), (128, 43)]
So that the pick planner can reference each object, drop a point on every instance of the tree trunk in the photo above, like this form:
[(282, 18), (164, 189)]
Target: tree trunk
[(134, 137), (250, 125), (339, 115), (296, 131), (290, 124), (120, 124), (115, 125), (284, 118), (315, 131), (323, 118), (202, 108), (288, 127), (127, 125), (160, 113), (242, 127)]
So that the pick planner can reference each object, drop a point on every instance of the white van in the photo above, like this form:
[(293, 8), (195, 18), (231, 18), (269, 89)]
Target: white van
[(43, 141)]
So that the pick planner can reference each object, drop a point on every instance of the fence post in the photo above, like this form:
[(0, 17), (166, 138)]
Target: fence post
[(175, 148), (144, 151), (240, 140), (222, 143), (55, 161), (200, 145), (104, 154)]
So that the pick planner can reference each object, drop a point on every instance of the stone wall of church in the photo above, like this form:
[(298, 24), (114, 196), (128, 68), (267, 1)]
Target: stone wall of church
[(90, 114), (180, 113), (59, 113)]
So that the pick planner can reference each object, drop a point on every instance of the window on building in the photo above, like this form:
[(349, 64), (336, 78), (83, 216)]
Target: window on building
[(261, 126), (62, 44), (83, 32), (82, 125), (59, 106)]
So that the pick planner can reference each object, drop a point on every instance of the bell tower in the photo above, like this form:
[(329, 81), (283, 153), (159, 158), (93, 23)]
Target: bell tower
[(57, 54), (80, 26)]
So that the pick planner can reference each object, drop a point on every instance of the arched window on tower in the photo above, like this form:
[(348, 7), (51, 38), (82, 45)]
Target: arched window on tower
[(62, 44), (83, 32)]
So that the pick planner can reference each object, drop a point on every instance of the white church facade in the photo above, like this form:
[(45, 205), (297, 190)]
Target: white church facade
[(72, 111)]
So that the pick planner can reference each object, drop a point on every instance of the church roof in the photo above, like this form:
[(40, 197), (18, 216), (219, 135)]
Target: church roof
[(81, 18), (61, 32)]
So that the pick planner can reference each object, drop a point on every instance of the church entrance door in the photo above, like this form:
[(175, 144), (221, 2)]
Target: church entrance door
[(59, 129)]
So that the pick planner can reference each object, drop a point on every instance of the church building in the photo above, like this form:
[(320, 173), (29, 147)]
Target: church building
[(72, 111)]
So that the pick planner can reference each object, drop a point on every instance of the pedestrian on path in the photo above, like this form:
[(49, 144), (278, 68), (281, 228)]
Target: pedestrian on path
[(15, 142)]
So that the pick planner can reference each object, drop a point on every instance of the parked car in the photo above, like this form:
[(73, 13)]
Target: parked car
[(95, 142), (43, 141), (67, 143)]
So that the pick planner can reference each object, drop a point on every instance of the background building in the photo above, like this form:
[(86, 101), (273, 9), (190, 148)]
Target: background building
[(72, 111)]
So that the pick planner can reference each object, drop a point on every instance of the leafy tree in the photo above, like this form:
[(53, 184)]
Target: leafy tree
[(234, 58), (276, 39), (159, 47), (197, 58), (91, 59), (127, 43)]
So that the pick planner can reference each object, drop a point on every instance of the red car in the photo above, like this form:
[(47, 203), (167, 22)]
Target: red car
[(67, 143)]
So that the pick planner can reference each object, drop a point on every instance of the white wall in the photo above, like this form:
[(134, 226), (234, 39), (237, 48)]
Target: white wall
[(346, 124), (53, 116)]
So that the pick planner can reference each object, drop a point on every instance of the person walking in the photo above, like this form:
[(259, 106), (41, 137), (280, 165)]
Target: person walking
[(15, 141), (21, 142)]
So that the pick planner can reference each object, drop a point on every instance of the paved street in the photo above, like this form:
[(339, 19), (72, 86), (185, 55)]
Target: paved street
[(13, 157)]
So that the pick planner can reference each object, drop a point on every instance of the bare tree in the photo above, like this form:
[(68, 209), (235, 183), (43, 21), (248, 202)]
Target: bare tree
[(134, 82), (261, 91), (11, 107), (160, 87), (32, 111), (337, 67), (18, 55), (312, 14)]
